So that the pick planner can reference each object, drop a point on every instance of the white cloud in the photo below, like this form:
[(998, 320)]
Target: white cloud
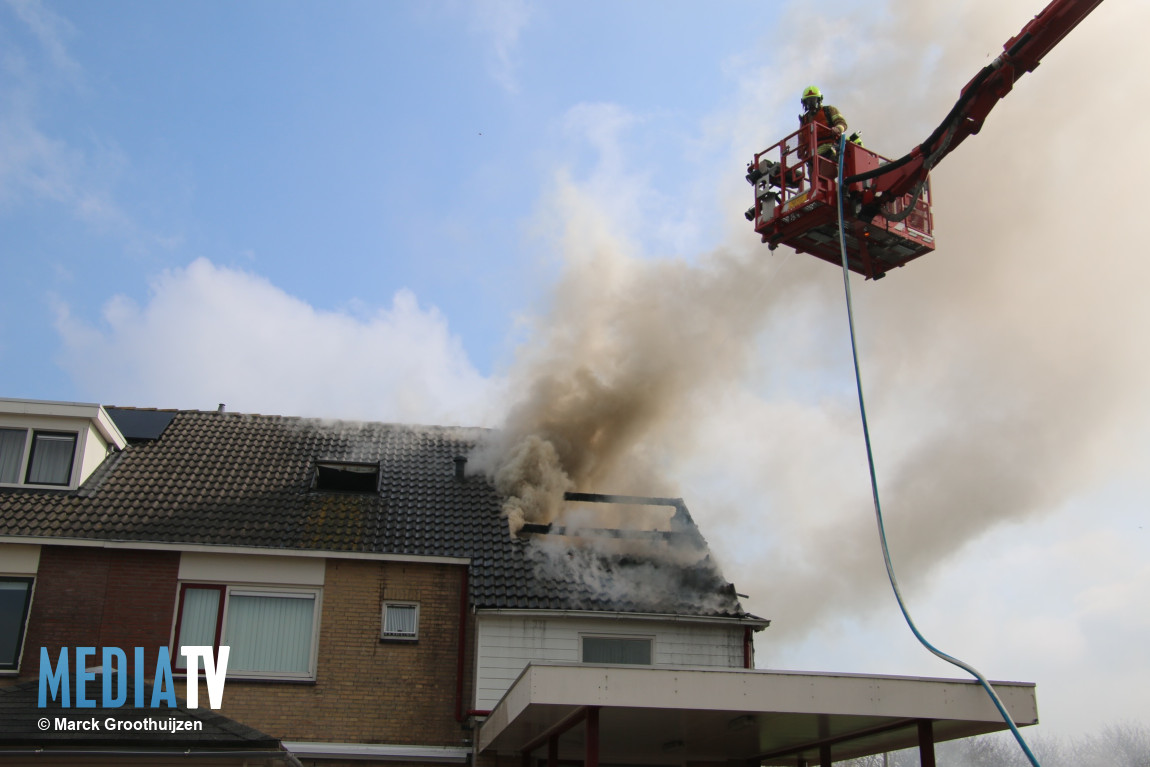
[(501, 22), (211, 334), (37, 165), (50, 30)]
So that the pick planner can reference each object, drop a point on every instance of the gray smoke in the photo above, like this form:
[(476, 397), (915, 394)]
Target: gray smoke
[(626, 356), (997, 370)]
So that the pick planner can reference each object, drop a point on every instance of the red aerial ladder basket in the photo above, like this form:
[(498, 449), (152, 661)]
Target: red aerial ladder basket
[(886, 203), (796, 205)]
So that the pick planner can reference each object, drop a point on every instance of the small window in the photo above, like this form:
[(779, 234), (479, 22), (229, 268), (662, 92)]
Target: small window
[(400, 621), (631, 650), (347, 477), (15, 598), (272, 633), (51, 460), (12, 454)]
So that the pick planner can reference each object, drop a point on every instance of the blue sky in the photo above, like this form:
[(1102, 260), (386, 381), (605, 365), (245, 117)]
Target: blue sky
[(341, 152), (404, 210)]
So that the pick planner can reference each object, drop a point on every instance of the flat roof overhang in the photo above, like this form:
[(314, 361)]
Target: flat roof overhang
[(660, 715)]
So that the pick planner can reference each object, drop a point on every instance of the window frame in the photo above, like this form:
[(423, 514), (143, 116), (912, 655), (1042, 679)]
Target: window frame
[(383, 635), (30, 448), (5, 668), (27, 456), (315, 593), (648, 638)]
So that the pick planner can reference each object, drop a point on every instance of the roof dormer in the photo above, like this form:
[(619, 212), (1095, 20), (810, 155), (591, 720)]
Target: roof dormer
[(53, 445)]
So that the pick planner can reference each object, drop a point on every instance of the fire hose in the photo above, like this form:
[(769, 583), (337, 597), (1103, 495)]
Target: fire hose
[(874, 488)]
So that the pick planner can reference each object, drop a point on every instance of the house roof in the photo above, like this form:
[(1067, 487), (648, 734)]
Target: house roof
[(230, 479)]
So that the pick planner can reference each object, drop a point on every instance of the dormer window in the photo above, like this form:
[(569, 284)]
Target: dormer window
[(53, 445), (50, 456), (344, 477)]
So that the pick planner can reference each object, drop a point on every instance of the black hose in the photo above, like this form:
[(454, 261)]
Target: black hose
[(948, 123)]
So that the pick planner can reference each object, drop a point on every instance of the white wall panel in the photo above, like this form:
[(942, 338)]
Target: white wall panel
[(507, 643), (243, 568)]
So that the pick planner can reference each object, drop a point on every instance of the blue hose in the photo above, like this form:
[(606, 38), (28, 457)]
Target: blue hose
[(874, 486)]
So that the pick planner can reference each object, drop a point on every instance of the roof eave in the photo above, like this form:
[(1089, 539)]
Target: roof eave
[(753, 621)]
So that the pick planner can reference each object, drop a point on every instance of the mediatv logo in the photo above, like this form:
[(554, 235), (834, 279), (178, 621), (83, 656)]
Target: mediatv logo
[(56, 681)]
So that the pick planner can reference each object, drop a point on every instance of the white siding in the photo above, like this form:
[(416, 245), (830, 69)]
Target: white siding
[(19, 559), (95, 450), (507, 643), (244, 568)]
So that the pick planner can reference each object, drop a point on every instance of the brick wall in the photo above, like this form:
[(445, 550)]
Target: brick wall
[(90, 597), (367, 690)]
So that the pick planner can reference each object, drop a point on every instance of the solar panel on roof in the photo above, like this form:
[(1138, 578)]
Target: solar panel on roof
[(140, 424)]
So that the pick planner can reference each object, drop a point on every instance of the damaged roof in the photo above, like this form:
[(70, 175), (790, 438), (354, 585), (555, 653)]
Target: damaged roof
[(231, 479)]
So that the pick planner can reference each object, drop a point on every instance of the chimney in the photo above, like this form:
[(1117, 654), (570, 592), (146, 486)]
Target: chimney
[(460, 463), (220, 409)]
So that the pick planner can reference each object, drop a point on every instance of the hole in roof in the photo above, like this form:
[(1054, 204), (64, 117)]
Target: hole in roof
[(344, 477)]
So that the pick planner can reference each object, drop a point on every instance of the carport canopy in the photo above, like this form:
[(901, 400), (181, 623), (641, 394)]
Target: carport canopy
[(658, 715)]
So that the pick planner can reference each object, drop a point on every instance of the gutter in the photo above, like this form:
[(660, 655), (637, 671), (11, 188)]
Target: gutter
[(459, 664), (751, 621), (378, 751), (208, 548)]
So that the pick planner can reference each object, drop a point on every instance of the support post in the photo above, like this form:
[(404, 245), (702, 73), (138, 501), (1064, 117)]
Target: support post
[(553, 751), (926, 743), (591, 749), (824, 755)]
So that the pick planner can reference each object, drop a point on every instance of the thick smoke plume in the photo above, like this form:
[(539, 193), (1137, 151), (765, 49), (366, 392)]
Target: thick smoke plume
[(996, 370), (619, 364)]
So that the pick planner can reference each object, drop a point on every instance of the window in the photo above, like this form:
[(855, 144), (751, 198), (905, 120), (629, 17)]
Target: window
[(347, 477), (11, 453), (51, 460), (272, 632), (400, 621), (602, 649), (15, 598), (50, 456)]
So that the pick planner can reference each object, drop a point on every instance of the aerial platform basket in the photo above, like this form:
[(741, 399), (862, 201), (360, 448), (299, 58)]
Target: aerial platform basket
[(796, 205)]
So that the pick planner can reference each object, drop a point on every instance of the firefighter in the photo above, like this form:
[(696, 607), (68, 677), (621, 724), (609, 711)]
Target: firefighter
[(831, 123)]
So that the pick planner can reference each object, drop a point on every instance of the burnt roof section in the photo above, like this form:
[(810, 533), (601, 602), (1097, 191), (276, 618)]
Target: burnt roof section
[(230, 479)]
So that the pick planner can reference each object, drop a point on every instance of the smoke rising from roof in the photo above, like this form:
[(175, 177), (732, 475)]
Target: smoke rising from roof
[(996, 369), (625, 355)]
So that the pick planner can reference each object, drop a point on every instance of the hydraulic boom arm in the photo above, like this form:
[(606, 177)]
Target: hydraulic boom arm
[(1022, 53)]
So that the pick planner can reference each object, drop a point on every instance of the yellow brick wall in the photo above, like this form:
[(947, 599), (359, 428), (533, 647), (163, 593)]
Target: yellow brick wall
[(367, 690)]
